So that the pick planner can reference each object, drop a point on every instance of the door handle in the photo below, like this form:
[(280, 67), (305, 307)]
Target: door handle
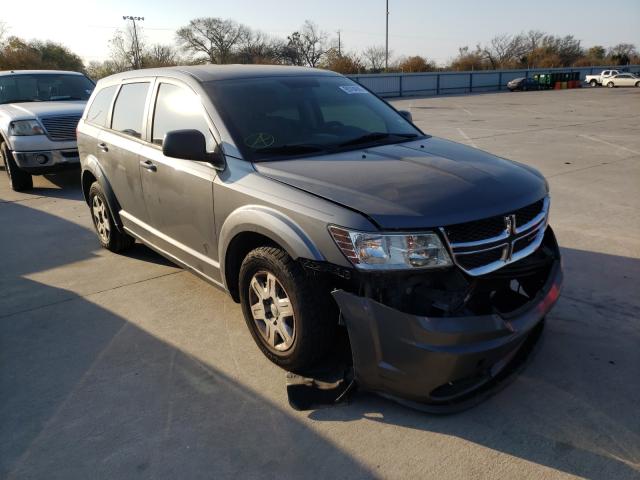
[(103, 147), (148, 165)]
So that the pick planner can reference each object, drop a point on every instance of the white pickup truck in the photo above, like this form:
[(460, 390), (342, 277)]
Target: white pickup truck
[(39, 112), (596, 80)]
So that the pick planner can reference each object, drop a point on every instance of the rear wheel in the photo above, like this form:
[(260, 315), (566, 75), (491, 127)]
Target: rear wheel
[(18, 179), (593, 83), (110, 237), (637, 84), (289, 315)]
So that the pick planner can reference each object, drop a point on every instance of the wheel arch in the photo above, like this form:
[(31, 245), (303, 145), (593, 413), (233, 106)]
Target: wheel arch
[(253, 226), (92, 172)]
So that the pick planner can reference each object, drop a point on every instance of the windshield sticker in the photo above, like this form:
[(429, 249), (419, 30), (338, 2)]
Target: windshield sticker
[(351, 89), (259, 140)]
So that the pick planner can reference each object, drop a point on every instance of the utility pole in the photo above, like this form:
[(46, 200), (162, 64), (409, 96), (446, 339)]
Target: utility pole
[(137, 57), (386, 45), (339, 45)]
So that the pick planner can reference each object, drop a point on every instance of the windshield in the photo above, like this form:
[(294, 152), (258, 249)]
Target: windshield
[(44, 87), (278, 117)]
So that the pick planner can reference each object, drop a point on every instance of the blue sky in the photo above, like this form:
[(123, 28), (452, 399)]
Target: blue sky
[(429, 28)]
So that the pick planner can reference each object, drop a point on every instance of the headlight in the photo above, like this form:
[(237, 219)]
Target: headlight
[(381, 251), (25, 127)]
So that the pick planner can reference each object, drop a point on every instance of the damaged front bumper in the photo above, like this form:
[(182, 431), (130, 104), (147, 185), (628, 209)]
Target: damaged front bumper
[(450, 362)]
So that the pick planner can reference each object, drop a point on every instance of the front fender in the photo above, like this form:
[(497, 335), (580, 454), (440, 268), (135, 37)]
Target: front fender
[(91, 166), (271, 224)]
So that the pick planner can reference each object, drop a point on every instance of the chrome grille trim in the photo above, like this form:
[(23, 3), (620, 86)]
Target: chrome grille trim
[(504, 242), (61, 127)]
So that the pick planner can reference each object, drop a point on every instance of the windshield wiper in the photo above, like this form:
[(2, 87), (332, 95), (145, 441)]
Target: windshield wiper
[(374, 136), (293, 149), (22, 100), (63, 97)]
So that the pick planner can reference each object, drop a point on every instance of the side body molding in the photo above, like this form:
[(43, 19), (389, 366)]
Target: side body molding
[(91, 165), (270, 223)]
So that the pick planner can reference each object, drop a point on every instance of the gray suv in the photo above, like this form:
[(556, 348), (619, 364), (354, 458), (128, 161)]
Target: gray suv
[(328, 215)]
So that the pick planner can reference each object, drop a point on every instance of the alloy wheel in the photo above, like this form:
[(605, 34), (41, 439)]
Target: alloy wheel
[(272, 311), (100, 218)]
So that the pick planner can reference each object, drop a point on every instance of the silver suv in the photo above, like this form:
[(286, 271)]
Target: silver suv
[(319, 207), (39, 112)]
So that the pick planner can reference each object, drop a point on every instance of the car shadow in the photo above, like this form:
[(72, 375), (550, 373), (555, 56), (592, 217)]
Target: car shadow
[(84, 393), (574, 407)]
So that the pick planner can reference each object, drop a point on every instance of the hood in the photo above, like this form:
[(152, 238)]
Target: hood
[(414, 185), (17, 111)]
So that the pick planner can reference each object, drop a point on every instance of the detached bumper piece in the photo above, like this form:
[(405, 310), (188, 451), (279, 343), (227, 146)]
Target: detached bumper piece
[(454, 357)]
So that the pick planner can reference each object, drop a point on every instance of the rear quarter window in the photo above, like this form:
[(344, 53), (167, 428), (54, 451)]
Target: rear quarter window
[(99, 110)]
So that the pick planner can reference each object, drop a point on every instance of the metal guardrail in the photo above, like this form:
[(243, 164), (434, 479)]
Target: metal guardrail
[(440, 83)]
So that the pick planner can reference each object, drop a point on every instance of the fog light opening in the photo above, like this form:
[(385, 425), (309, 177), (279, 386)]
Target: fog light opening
[(42, 159)]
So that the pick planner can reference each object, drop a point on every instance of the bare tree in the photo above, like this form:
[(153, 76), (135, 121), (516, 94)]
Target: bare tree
[(375, 56), (622, 53), (214, 37), (309, 44), (533, 39), (127, 48), (161, 56), (3, 32), (505, 50), (257, 47)]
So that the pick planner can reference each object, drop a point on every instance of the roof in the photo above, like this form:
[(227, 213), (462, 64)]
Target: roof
[(208, 73), (31, 72)]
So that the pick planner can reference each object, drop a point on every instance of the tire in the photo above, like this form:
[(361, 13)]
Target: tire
[(304, 321), (637, 84), (110, 237), (610, 85), (19, 180), (593, 83)]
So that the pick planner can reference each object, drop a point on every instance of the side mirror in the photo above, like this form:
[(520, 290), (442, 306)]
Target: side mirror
[(191, 145), (406, 114)]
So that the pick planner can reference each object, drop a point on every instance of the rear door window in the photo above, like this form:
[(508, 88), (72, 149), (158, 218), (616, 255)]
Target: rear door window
[(128, 111), (178, 109), (99, 109)]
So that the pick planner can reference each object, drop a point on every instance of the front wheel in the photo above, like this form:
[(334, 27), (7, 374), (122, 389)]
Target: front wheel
[(19, 180), (610, 85), (110, 237), (289, 316), (593, 83)]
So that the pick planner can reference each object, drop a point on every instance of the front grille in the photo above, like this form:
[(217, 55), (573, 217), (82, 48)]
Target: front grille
[(62, 127), (528, 213), (524, 242), (482, 246), (474, 231), (480, 259)]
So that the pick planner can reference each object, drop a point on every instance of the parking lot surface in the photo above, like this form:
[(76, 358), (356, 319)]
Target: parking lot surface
[(129, 367)]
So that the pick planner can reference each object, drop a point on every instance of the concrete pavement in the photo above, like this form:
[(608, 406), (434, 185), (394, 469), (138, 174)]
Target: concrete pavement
[(124, 366)]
